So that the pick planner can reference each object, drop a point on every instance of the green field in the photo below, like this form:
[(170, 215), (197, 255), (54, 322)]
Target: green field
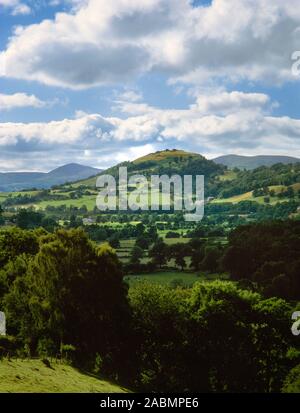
[(228, 176), (248, 196), (32, 376), (126, 246), (183, 278), (89, 201)]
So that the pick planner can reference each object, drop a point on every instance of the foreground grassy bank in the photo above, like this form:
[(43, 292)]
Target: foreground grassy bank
[(32, 376)]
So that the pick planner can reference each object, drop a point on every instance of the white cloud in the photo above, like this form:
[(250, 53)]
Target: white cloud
[(20, 100), (65, 132), (103, 42), (221, 123), (16, 7)]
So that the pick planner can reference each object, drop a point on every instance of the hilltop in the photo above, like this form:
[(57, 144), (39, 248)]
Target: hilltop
[(166, 155), (165, 162), (32, 376)]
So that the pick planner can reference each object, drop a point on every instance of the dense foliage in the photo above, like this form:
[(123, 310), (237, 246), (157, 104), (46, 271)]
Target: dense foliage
[(267, 254), (63, 294)]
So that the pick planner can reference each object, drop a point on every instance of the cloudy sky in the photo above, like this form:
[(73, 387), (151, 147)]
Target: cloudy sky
[(99, 82)]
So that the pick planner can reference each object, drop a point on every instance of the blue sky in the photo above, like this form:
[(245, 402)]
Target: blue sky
[(99, 82)]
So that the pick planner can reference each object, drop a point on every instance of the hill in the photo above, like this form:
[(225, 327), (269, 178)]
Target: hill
[(32, 376), (259, 180), (165, 162), (17, 181), (272, 185), (253, 162)]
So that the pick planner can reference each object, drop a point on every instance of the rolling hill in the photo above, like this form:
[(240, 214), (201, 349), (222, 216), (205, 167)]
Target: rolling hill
[(165, 162), (16, 181), (278, 183), (253, 162)]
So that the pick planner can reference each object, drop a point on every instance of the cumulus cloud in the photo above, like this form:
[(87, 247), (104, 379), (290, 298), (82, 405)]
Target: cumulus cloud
[(20, 100), (16, 7), (85, 129), (101, 42), (222, 122)]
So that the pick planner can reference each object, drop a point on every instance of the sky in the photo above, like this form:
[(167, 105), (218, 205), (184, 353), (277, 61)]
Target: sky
[(99, 82)]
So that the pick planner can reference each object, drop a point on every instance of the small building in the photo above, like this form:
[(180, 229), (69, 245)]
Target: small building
[(88, 221)]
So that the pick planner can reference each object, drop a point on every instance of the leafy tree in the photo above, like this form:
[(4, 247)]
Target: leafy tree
[(27, 219), (158, 253), (114, 240), (136, 255), (142, 242), (223, 338), (179, 252), (292, 381), (267, 253), (14, 242), (211, 260), (72, 293)]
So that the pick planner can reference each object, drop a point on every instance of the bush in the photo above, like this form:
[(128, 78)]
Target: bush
[(8, 346)]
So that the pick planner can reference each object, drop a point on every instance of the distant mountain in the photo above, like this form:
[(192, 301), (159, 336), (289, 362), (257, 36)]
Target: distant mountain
[(253, 162), (17, 181)]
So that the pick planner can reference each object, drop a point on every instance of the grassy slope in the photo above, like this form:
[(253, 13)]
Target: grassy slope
[(249, 197), (32, 376)]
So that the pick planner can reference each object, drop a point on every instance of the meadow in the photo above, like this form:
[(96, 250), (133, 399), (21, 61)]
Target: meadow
[(32, 375)]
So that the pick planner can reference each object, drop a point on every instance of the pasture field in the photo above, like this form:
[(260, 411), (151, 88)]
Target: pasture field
[(248, 196), (180, 278), (32, 376)]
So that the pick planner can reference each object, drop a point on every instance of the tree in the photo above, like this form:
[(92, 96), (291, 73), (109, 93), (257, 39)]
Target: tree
[(114, 240), (197, 252), (72, 293), (27, 219), (2, 220), (179, 252), (142, 242), (211, 260), (292, 381), (223, 339), (14, 242), (158, 253), (136, 255), (266, 253)]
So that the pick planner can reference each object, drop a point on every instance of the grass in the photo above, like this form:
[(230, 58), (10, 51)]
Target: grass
[(235, 199), (32, 376), (188, 279), (180, 240), (228, 176), (248, 196), (88, 200)]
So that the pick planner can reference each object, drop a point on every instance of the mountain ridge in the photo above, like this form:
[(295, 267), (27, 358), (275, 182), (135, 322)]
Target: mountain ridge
[(17, 181), (252, 162)]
